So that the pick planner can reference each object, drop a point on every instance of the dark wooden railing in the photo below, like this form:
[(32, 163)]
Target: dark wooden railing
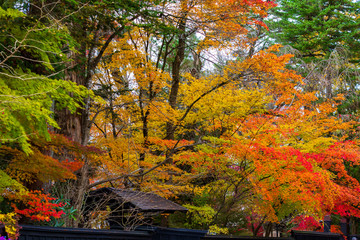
[(51, 233), (152, 233), (244, 238), (303, 235)]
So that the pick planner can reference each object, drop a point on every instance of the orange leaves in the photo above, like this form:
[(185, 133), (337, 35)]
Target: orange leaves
[(43, 165), (288, 154), (337, 229), (35, 166), (224, 23), (39, 165), (334, 159), (312, 180), (164, 144), (72, 166), (261, 23)]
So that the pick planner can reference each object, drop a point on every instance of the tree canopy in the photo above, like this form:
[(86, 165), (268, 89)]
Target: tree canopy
[(179, 98)]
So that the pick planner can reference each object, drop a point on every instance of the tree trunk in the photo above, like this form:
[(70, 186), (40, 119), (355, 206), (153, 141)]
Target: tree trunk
[(76, 127), (179, 57)]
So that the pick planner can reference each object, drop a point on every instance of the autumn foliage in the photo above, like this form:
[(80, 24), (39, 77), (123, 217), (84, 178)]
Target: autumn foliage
[(306, 223), (267, 146), (188, 105), (38, 206), (25, 172)]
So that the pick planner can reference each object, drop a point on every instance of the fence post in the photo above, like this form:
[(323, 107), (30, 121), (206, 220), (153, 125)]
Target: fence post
[(3, 232), (344, 226), (327, 223)]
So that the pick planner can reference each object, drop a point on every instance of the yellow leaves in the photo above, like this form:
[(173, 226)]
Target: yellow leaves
[(119, 155), (7, 183), (11, 226), (161, 111), (199, 216), (223, 105), (317, 144), (163, 144), (223, 23), (214, 230)]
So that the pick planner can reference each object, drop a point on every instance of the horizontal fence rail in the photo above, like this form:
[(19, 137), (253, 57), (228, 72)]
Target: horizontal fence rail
[(155, 233), (52, 233), (354, 237), (303, 235), (244, 238), (295, 235), (178, 234)]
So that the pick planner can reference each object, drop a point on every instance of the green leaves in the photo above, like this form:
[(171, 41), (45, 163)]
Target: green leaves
[(30, 56), (199, 217), (7, 182), (316, 27)]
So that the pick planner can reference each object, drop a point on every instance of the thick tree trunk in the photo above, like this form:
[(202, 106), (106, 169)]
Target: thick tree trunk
[(76, 126), (176, 65)]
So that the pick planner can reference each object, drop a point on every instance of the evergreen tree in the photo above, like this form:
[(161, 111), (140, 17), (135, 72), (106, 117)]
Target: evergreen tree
[(325, 38), (32, 62), (317, 27)]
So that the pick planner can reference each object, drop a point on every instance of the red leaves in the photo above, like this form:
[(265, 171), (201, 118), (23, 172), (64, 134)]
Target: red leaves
[(317, 180), (261, 23), (336, 229), (72, 166), (255, 225), (39, 206), (306, 223)]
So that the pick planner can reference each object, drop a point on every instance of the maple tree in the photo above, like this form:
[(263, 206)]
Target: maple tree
[(136, 107), (326, 52), (229, 136), (293, 137), (39, 207)]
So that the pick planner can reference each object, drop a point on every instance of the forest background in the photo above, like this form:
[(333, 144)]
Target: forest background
[(194, 100)]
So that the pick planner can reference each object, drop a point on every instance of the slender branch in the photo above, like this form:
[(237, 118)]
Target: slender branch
[(172, 151)]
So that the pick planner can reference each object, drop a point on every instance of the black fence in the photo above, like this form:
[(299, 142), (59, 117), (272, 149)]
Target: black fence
[(154, 233), (303, 235), (50, 233), (354, 237), (295, 235), (177, 234), (244, 238)]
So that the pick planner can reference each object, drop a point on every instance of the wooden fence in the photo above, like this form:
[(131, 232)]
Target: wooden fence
[(303, 235), (50, 233), (154, 233), (244, 238)]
